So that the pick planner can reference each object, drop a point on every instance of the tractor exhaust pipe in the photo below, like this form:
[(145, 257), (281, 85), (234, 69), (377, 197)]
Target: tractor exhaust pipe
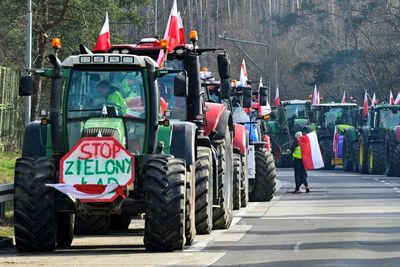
[(55, 107)]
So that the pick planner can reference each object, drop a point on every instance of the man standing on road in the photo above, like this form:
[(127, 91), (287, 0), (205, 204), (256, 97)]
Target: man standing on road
[(300, 174)]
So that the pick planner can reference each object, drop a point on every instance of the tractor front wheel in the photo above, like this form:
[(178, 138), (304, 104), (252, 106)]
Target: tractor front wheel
[(327, 153), (376, 164), (265, 181), (237, 175)]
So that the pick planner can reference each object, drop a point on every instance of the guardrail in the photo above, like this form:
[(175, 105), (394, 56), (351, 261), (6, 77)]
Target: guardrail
[(6, 194)]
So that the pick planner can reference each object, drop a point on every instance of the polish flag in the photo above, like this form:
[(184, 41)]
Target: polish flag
[(243, 74), (391, 98), (310, 151), (103, 40), (365, 106), (335, 141), (173, 33), (277, 99), (397, 100), (263, 110), (344, 97), (373, 101), (315, 95), (182, 37)]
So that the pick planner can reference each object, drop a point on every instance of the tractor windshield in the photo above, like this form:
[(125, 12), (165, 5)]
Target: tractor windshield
[(295, 111), (176, 104), (122, 91), (389, 118), (338, 115)]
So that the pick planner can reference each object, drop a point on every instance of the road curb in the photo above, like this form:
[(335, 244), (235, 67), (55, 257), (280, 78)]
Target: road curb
[(6, 242)]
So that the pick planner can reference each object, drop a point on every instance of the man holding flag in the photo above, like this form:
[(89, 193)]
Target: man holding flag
[(300, 175)]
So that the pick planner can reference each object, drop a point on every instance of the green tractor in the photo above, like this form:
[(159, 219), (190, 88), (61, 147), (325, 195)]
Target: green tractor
[(94, 160), (376, 143), (331, 121), (291, 117)]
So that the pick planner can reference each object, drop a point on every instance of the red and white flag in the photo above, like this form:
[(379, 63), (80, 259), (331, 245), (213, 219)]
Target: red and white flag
[(263, 110), (315, 95), (277, 101), (344, 97), (397, 100), (243, 74), (173, 33), (310, 151), (365, 106), (182, 37), (335, 141), (103, 43), (391, 98), (373, 101)]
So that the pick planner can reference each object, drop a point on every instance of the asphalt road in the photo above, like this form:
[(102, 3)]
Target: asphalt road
[(347, 220)]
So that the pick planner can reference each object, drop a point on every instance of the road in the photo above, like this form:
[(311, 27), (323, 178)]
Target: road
[(347, 220)]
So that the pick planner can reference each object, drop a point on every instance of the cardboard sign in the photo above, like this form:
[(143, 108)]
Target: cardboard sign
[(100, 161)]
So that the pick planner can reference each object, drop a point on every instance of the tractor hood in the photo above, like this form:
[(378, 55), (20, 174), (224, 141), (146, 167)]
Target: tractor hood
[(102, 127)]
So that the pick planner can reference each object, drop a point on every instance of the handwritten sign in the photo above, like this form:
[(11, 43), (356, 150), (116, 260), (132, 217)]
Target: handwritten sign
[(97, 160)]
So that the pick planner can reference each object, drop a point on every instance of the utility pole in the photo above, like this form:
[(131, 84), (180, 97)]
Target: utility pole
[(28, 59), (235, 41)]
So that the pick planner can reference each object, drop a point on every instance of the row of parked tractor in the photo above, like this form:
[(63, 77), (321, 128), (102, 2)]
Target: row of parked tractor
[(349, 136), (196, 148)]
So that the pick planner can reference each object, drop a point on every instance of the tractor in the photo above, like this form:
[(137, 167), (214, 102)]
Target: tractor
[(291, 117), (214, 134), (331, 120), (93, 160), (376, 143)]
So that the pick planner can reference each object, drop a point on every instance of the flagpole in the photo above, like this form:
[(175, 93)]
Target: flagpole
[(155, 17)]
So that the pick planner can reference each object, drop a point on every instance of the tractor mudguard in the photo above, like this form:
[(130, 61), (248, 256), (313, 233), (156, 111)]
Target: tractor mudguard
[(353, 133), (396, 131), (213, 114), (203, 140), (239, 141), (35, 139), (183, 141)]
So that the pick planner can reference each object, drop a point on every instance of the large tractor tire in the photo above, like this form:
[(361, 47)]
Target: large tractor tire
[(348, 155), (363, 155), (356, 154), (190, 224), (93, 224), (120, 222), (376, 153), (327, 153), (244, 183), (65, 229), (165, 199), (237, 176), (392, 155), (265, 181), (223, 215), (204, 191), (35, 223)]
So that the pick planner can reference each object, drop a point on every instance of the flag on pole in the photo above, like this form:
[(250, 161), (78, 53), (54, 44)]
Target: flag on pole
[(310, 151), (344, 97), (391, 98), (103, 43), (397, 100), (373, 101), (318, 99), (263, 110), (182, 37), (335, 141), (315, 95), (243, 74), (277, 101), (365, 105), (173, 33)]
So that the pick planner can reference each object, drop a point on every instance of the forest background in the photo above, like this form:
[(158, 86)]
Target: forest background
[(339, 45)]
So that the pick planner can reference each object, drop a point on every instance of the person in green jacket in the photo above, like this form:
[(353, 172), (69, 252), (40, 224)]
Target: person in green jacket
[(112, 96)]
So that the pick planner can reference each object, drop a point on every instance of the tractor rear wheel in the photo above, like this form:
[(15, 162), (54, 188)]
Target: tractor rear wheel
[(204, 190), (265, 181), (120, 222), (34, 216), (356, 154), (392, 155), (327, 153), (244, 182), (237, 175), (348, 155), (165, 199), (363, 156), (223, 215), (376, 164), (93, 224), (65, 229)]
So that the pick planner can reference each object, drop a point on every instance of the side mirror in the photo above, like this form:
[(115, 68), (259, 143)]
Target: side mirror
[(25, 86), (263, 95), (247, 93), (225, 89), (181, 84), (224, 66)]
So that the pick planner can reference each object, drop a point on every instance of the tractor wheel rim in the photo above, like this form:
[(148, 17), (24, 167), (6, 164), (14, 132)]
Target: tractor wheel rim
[(361, 153), (371, 160)]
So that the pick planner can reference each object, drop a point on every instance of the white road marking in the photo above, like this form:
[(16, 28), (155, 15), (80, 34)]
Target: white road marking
[(297, 247), (376, 179), (395, 188)]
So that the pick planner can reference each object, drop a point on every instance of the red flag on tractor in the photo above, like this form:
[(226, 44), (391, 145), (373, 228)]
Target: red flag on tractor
[(344, 97), (391, 98), (103, 41), (365, 106), (277, 98)]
